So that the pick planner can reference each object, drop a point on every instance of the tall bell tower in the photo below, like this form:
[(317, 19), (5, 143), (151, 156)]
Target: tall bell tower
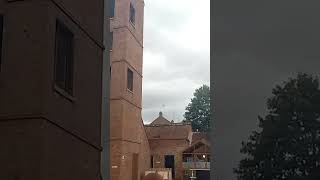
[(126, 27)]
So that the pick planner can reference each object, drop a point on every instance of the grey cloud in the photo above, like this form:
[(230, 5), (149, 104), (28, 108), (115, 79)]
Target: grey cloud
[(153, 97), (182, 69), (180, 62), (163, 16), (171, 113), (174, 95)]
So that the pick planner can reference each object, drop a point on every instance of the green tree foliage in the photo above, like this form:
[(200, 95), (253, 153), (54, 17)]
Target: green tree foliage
[(288, 145), (198, 110)]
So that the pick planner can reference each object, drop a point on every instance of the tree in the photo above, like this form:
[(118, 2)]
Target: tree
[(198, 110), (288, 145)]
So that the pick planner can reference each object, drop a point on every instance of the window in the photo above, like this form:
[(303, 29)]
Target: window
[(132, 14), (112, 7), (64, 58), (1, 37), (130, 80), (151, 163)]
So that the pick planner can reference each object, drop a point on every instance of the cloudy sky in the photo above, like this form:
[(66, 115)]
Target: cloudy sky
[(257, 44), (176, 55)]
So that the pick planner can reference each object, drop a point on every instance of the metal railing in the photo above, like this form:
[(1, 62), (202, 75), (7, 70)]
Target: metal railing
[(196, 165)]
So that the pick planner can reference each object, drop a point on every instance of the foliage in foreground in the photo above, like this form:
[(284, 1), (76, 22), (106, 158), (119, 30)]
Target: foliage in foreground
[(288, 145)]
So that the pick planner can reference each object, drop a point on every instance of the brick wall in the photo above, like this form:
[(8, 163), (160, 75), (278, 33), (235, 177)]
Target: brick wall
[(127, 130), (160, 148), (145, 160), (48, 135)]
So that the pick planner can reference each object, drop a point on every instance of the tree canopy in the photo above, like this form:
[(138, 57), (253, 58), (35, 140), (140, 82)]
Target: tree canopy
[(288, 145), (198, 110)]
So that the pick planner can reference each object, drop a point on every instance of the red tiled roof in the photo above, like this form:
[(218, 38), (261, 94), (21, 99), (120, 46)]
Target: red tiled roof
[(172, 131), (164, 129), (160, 120)]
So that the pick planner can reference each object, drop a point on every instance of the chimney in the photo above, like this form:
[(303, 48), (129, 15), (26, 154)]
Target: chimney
[(160, 114)]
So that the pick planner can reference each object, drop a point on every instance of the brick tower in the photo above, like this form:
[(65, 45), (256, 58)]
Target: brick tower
[(128, 143)]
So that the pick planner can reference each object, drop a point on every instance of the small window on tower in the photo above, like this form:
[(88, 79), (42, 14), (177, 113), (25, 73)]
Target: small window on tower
[(130, 80), (132, 14)]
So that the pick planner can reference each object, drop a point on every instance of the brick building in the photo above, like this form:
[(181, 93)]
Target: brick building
[(167, 140), (129, 148), (50, 115), (135, 147), (174, 145), (52, 53), (196, 157)]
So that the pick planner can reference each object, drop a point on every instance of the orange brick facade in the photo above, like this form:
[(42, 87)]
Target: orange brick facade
[(190, 150), (161, 148), (166, 138), (129, 148)]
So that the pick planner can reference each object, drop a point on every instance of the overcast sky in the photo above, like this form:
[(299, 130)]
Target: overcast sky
[(257, 44), (176, 55)]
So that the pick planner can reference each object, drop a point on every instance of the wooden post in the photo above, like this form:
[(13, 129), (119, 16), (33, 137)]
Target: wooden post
[(194, 163)]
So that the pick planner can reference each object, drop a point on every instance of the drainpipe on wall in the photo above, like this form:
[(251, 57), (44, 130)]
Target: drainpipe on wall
[(104, 158)]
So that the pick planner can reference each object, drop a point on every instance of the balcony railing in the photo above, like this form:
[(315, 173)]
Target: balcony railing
[(196, 165)]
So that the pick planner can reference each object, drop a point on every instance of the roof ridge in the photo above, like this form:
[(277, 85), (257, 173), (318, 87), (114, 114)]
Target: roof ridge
[(172, 124)]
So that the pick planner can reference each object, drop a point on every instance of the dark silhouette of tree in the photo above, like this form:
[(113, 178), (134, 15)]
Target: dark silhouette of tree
[(288, 145), (198, 111)]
